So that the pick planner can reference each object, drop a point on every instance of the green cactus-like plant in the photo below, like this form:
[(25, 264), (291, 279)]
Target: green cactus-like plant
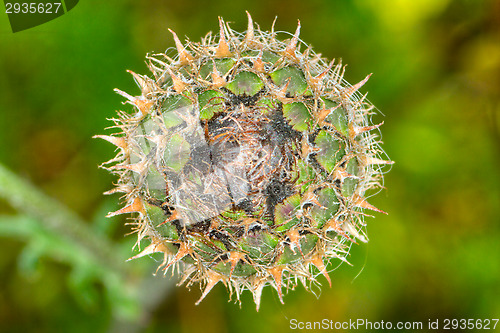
[(246, 161)]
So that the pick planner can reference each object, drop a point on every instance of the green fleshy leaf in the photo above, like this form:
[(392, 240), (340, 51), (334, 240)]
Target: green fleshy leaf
[(220, 245), (245, 83), (307, 244), (260, 244), (306, 173), (223, 66), (265, 105), (270, 57), (210, 102), (157, 217), (156, 184), (328, 199), (293, 222), (171, 105), (175, 102), (298, 115), (241, 269), (298, 83), (204, 250), (234, 215), (350, 184), (331, 150), (338, 117), (285, 213), (177, 152)]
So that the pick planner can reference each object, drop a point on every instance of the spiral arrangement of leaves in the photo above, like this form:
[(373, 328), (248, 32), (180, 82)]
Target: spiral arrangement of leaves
[(247, 161)]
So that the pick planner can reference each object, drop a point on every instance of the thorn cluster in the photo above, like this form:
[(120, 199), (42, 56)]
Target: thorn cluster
[(246, 162)]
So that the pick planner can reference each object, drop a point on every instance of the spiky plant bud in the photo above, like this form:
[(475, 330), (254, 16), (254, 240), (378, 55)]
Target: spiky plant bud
[(246, 162)]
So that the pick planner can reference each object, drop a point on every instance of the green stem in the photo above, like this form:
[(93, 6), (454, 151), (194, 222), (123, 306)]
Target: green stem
[(56, 217)]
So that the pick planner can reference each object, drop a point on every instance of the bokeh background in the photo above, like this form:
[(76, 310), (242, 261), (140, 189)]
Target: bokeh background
[(436, 66)]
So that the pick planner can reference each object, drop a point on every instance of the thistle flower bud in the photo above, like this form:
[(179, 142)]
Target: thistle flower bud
[(247, 161)]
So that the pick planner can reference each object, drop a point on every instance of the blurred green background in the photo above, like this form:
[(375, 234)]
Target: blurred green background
[(436, 66)]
